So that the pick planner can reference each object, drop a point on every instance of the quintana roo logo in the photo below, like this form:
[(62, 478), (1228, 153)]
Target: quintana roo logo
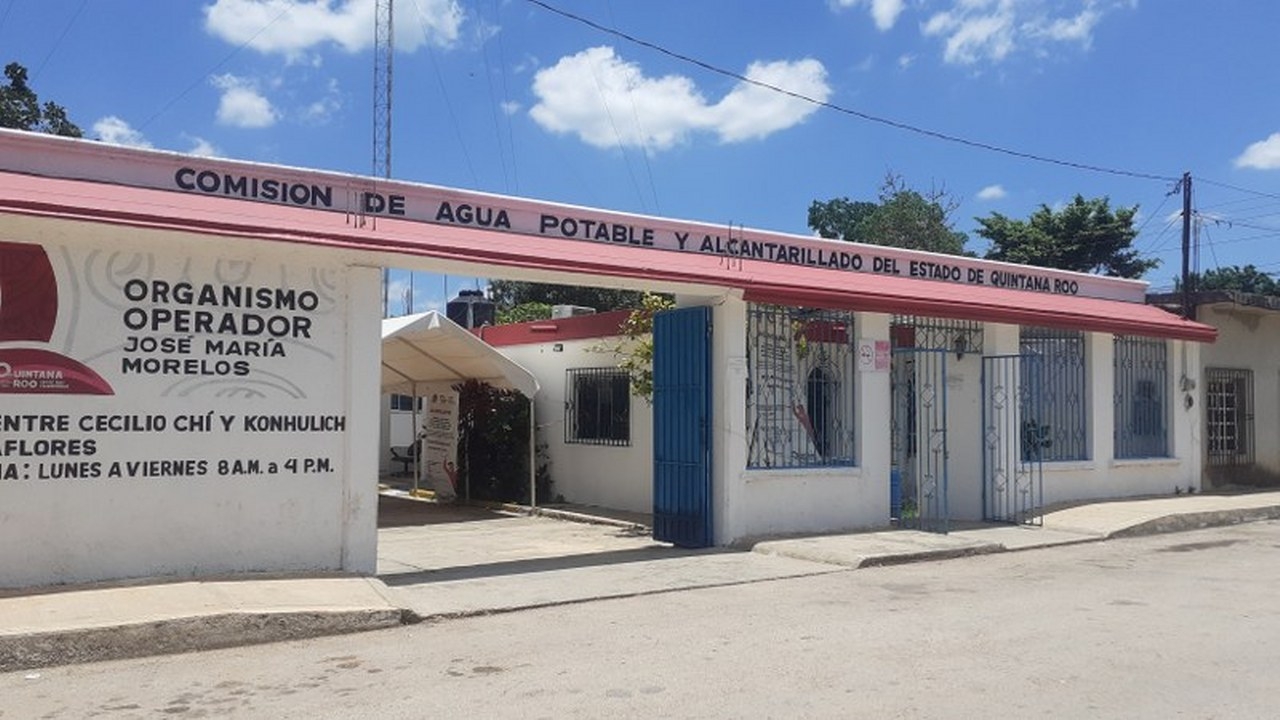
[(28, 313)]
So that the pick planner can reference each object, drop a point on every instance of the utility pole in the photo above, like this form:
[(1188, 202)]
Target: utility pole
[(1187, 310), (383, 52)]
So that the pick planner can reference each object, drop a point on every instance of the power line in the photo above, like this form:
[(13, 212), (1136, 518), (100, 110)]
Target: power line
[(947, 137), (227, 58), (1237, 188), (66, 29)]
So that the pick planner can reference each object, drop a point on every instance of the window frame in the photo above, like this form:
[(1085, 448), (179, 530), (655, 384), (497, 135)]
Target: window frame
[(602, 419)]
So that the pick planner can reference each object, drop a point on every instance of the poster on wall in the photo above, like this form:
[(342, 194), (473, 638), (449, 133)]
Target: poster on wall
[(440, 442), (127, 363)]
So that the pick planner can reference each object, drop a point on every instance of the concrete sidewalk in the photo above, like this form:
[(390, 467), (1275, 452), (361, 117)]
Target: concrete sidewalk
[(1083, 523), (444, 562)]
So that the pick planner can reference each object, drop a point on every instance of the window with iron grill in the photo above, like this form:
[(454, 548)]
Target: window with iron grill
[(1229, 416), (1141, 372), (800, 389), (597, 408), (1063, 424)]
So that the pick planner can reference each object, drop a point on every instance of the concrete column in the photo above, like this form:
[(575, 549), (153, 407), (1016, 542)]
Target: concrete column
[(363, 391), (874, 432), (729, 400), (1100, 380), (1186, 397), (1001, 339)]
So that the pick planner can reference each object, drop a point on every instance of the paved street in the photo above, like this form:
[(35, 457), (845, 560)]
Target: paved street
[(1179, 625)]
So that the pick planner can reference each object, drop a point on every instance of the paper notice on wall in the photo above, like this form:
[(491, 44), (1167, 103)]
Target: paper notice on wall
[(440, 442)]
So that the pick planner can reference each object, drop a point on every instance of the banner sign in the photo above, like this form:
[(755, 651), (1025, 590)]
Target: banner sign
[(370, 198), (440, 441)]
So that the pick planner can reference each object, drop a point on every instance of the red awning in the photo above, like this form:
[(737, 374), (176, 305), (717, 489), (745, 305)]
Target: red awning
[(761, 281)]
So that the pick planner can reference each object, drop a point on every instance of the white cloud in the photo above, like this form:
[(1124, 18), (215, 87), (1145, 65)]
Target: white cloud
[(1262, 155), (992, 192), (510, 107), (294, 27), (884, 12), (906, 61), (608, 102), (116, 131), (202, 147), (322, 110), (991, 30), (242, 105)]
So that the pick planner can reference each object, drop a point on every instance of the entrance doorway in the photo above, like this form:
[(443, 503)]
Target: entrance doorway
[(1014, 439)]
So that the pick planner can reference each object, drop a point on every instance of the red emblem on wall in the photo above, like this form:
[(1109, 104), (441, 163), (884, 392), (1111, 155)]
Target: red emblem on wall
[(28, 313)]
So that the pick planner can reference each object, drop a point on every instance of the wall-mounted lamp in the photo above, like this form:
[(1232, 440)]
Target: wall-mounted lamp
[(558, 347), (961, 344)]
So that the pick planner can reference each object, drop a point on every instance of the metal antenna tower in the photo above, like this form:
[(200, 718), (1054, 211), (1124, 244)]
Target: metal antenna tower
[(383, 52)]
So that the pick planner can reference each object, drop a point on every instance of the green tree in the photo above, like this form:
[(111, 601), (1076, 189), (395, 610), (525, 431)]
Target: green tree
[(508, 294), (635, 348), (1247, 279), (904, 218), (1085, 236), (20, 109)]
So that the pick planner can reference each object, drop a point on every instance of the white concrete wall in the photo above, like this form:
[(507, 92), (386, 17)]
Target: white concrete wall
[(610, 476), (1104, 476), (1249, 339), (762, 502), (189, 502)]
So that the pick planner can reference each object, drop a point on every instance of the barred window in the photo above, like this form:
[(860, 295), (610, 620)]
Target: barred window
[(1141, 403), (597, 408), (1229, 416), (1062, 432), (800, 370)]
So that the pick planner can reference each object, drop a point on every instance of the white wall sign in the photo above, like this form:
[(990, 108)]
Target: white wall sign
[(175, 411)]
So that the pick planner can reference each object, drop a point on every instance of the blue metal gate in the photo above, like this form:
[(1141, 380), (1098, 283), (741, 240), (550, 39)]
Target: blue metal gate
[(1014, 438), (682, 427), (918, 433)]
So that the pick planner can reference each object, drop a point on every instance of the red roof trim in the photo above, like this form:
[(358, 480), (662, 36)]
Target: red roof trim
[(761, 281), (580, 327)]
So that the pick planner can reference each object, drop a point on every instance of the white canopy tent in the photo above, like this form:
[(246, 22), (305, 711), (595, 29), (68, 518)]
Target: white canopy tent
[(427, 348)]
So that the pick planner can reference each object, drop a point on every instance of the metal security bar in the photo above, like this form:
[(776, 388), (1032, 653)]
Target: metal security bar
[(1229, 416), (918, 437), (1063, 432), (1013, 476), (800, 387), (930, 333), (597, 407), (1141, 372)]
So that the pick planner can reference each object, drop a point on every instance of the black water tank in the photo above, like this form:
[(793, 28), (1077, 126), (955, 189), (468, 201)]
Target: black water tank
[(471, 309)]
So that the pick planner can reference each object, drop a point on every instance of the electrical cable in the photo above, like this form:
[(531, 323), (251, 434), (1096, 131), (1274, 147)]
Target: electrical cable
[(201, 80), (65, 29), (947, 137), (1227, 186)]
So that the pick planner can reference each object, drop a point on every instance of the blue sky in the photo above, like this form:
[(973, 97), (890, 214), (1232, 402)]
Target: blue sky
[(508, 96)]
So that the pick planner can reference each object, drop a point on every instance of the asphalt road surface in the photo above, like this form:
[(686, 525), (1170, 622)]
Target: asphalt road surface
[(1174, 626)]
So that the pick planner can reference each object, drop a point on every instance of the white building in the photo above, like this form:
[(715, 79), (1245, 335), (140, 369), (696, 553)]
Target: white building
[(598, 437), (1239, 394), (189, 359)]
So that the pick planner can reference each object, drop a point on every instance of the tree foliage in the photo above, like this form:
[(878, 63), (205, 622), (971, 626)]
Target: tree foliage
[(524, 312), (1085, 236), (510, 293), (20, 109), (1247, 279), (635, 348), (903, 217)]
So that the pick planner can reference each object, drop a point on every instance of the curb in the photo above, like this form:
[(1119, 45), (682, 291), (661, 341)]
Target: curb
[(1198, 520), (180, 635)]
